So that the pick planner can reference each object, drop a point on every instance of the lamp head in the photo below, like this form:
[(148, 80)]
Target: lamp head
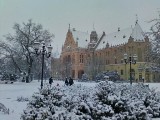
[(36, 46), (135, 58), (50, 49), (125, 56)]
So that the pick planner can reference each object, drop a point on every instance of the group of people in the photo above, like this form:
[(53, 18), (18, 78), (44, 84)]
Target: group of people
[(69, 82)]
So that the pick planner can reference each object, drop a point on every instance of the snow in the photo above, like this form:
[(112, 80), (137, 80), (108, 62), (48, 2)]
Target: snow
[(10, 92), (115, 38), (83, 38), (137, 33), (122, 36)]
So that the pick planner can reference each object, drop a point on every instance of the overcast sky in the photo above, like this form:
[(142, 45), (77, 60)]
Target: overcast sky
[(56, 15)]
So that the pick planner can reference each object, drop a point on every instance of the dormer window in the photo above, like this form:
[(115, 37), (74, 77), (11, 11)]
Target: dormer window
[(68, 47), (103, 42), (124, 36)]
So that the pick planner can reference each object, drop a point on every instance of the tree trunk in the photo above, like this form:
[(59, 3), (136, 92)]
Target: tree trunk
[(28, 77)]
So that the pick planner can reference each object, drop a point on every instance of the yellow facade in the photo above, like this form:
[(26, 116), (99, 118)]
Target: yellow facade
[(139, 71)]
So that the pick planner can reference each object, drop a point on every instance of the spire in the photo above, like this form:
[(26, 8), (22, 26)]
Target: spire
[(69, 27), (93, 27), (159, 12), (107, 45), (136, 18), (137, 33)]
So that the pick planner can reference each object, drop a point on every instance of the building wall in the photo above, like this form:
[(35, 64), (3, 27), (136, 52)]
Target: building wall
[(75, 61), (113, 57)]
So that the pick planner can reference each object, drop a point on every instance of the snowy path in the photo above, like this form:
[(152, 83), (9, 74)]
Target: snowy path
[(10, 92)]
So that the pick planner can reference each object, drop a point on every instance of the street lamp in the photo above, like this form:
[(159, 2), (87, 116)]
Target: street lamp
[(131, 60), (42, 51)]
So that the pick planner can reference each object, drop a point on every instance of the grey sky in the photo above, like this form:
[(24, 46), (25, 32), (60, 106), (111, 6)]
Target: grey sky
[(55, 15)]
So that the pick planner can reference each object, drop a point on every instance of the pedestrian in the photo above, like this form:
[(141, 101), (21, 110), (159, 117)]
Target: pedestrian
[(50, 81), (66, 81), (70, 81), (143, 79), (8, 111)]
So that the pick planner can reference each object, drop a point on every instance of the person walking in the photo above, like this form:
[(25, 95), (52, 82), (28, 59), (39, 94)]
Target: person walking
[(50, 81), (143, 79), (70, 81), (66, 81)]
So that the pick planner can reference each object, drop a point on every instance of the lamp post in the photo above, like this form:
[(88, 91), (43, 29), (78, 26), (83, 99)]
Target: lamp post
[(43, 52), (131, 60)]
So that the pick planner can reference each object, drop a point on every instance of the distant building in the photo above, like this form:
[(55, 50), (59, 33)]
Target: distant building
[(92, 53)]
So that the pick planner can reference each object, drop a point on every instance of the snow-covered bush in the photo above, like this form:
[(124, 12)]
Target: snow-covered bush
[(105, 101), (3, 109), (22, 99), (131, 102), (85, 77)]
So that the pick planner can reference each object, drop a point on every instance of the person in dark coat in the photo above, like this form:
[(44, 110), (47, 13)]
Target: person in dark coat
[(70, 81), (143, 79), (66, 81), (50, 81)]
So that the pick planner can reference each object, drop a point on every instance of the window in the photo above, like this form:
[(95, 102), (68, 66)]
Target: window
[(121, 60), (81, 58), (139, 54), (115, 61), (154, 76), (106, 62), (115, 51), (121, 72)]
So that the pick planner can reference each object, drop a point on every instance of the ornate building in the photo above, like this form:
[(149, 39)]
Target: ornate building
[(94, 53)]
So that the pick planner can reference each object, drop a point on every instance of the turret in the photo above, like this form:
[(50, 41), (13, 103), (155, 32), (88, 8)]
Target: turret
[(93, 37)]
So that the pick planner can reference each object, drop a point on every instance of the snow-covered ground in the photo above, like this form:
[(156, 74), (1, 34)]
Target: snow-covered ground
[(10, 92)]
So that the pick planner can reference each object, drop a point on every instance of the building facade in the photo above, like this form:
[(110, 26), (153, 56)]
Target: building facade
[(92, 53)]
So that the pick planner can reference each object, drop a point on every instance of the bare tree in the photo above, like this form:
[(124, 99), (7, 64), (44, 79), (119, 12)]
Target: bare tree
[(154, 35), (21, 43), (8, 54)]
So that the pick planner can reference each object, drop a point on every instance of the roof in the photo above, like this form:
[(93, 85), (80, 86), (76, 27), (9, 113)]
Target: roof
[(137, 33), (115, 38), (122, 36), (83, 38)]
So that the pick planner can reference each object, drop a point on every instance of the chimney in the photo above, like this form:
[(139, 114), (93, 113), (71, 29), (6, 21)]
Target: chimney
[(118, 29)]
